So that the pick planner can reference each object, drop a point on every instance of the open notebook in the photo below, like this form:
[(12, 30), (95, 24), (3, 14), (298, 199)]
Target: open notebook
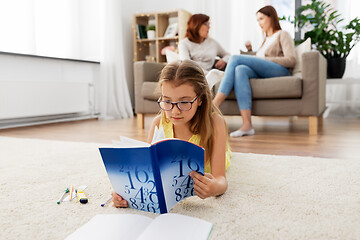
[(132, 226)]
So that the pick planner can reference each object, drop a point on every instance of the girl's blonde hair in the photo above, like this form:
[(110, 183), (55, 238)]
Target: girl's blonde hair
[(188, 72)]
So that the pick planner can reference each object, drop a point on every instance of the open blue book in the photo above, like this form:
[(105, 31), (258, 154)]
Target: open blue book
[(155, 177)]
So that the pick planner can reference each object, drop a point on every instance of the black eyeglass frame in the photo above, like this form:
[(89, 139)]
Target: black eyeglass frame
[(177, 104)]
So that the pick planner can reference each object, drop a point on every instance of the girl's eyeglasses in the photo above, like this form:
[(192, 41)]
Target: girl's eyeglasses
[(182, 105)]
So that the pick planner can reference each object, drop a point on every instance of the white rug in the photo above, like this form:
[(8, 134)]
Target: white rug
[(269, 197)]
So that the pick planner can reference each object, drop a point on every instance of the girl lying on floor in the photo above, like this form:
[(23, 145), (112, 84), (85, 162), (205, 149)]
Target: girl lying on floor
[(187, 113)]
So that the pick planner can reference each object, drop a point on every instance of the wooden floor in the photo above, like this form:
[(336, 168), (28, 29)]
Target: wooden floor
[(340, 138)]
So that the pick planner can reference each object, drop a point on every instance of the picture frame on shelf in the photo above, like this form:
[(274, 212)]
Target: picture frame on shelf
[(171, 30)]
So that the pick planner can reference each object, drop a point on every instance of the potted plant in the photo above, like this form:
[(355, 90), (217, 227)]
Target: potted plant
[(150, 31), (332, 41)]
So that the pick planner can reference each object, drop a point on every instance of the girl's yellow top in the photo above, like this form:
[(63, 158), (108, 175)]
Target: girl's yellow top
[(169, 133)]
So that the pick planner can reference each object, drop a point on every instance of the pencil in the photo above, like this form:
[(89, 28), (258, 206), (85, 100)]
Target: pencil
[(71, 192), (106, 202)]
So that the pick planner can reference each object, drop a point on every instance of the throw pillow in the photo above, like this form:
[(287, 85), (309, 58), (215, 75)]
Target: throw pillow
[(171, 56), (300, 49)]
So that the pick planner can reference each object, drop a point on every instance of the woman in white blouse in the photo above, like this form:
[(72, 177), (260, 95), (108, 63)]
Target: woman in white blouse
[(202, 49)]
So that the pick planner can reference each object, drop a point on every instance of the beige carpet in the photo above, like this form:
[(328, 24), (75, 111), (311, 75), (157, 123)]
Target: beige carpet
[(269, 197)]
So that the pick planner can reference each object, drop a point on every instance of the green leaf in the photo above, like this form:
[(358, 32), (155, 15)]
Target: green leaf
[(328, 38)]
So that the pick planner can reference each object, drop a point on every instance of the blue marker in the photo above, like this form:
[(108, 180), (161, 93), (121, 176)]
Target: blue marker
[(103, 204)]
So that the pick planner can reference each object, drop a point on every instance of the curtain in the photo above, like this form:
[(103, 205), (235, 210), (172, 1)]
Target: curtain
[(115, 100)]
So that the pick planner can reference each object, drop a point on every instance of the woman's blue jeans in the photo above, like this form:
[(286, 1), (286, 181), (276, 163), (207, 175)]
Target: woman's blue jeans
[(240, 69)]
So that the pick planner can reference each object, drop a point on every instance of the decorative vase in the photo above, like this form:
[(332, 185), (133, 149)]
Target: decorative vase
[(151, 34), (336, 67)]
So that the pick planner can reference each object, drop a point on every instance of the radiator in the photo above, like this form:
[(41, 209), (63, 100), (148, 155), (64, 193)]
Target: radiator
[(23, 99)]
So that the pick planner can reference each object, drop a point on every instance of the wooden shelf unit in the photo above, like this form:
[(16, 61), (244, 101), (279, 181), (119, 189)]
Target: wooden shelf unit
[(161, 20)]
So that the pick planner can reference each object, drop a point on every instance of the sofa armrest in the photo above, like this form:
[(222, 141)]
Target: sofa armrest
[(147, 71), (314, 83), (144, 72)]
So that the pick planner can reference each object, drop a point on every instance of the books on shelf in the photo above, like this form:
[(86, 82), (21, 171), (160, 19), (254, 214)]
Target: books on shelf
[(155, 177), (138, 227), (141, 31)]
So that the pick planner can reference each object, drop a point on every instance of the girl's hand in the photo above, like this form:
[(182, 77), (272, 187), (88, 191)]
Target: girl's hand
[(204, 186), (221, 64), (118, 201)]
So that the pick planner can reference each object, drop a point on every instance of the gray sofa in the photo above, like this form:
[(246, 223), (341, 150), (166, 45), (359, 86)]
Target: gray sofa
[(281, 96)]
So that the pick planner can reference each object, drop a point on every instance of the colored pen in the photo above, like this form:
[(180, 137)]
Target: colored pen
[(107, 201), (63, 195)]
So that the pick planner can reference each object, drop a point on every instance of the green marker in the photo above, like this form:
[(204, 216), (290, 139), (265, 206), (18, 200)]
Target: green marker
[(63, 195)]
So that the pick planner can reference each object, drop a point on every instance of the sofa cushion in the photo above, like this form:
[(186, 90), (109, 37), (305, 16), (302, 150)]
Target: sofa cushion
[(150, 91), (273, 88), (300, 49)]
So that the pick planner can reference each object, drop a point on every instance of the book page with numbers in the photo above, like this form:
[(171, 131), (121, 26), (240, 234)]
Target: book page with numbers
[(131, 174), (176, 160)]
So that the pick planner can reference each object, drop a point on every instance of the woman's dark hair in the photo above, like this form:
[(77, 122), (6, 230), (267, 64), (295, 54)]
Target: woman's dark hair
[(271, 13), (193, 26)]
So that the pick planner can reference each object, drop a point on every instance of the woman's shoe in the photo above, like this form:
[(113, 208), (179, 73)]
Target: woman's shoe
[(240, 133)]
